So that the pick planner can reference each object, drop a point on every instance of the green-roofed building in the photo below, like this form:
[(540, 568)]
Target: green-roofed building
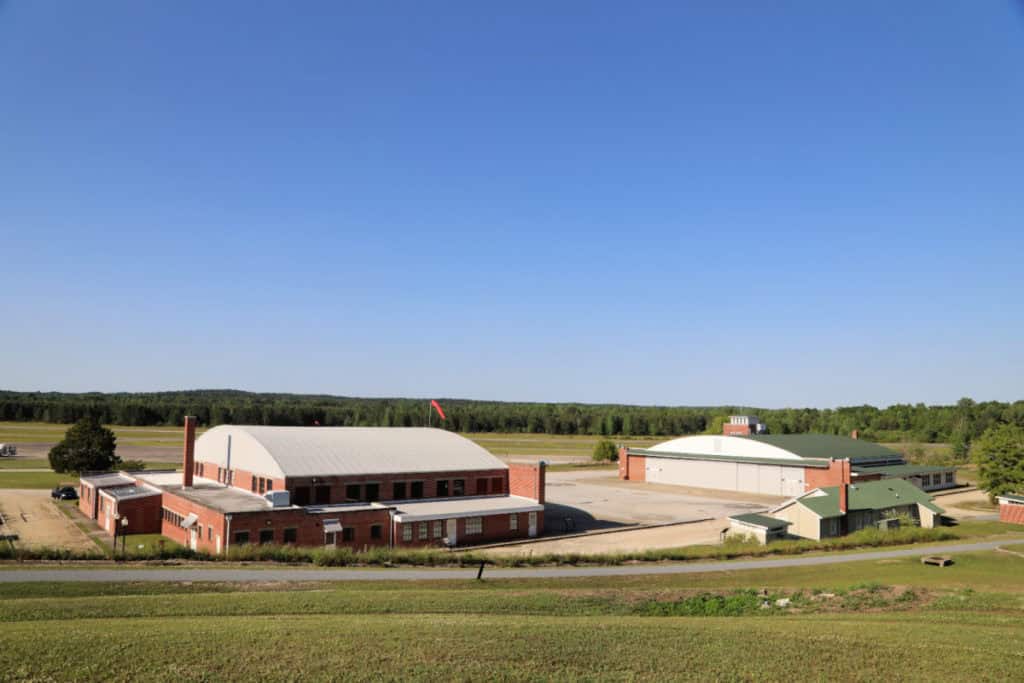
[(838, 510)]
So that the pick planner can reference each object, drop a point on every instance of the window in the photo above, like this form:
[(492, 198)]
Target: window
[(241, 537), (266, 536), (376, 531), (949, 477), (270, 484), (290, 535), (416, 489), (263, 485), (438, 529), (254, 484), (398, 490), (442, 488), (353, 492), (322, 495), (421, 531), (301, 495), (459, 487), (348, 534), (407, 532), (372, 492), (329, 538), (497, 485), (482, 486), (513, 522), (474, 525), (209, 532)]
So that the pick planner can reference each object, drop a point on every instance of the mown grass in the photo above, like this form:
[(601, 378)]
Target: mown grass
[(48, 432), (44, 464), (43, 479), (470, 643)]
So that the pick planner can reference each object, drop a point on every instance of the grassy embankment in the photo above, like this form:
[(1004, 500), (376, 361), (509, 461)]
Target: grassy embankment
[(861, 621), (433, 557)]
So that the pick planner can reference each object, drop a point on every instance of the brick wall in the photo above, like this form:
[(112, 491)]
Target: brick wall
[(735, 430), (1013, 514), (144, 514), (87, 499), (838, 472), (632, 467), (527, 479)]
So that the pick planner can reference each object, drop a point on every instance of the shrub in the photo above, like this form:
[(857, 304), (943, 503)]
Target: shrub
[(605, 451)]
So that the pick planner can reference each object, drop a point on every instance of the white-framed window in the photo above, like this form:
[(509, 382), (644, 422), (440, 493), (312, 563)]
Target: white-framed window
[(407, 532), (474, 525), (513, 522), (421, 531), (438, 530)]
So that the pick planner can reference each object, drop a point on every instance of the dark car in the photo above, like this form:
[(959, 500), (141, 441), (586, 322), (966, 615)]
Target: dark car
[(64, 493)]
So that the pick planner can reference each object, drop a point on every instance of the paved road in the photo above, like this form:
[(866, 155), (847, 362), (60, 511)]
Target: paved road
[(233, 574)]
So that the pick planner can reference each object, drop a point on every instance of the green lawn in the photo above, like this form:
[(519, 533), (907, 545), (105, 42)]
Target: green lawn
[(47, 432), (44, 464), (876, 621), (43, 479)]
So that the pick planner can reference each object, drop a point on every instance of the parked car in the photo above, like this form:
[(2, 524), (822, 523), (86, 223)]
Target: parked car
[(64, 493), (8, 449)]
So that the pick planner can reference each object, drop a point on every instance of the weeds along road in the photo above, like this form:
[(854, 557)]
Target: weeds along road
[(257, 575)]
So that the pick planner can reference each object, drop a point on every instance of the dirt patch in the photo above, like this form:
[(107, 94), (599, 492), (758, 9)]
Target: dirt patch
[(36, 519), (635, 540)]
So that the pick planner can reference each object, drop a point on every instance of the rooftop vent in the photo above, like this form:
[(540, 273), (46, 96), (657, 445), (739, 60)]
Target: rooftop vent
[(278, 499)]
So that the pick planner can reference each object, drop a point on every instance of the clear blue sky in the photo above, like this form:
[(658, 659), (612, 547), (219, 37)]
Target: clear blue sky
[(806, 204)]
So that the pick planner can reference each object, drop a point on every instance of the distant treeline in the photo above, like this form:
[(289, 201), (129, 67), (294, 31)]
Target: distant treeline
[(953, 423)]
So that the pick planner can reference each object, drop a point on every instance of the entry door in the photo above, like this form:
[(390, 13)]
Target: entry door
[(453, 528), (218, 544), (192, 537), (533, 524)]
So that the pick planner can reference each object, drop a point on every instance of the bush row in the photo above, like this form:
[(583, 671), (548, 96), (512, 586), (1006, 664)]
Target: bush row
[(435, 557)]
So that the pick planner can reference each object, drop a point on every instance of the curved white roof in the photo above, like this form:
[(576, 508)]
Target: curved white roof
[(338, 451), (734, 446)]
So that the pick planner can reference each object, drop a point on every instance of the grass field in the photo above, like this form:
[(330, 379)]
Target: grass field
[(43, 479), (862, 621)]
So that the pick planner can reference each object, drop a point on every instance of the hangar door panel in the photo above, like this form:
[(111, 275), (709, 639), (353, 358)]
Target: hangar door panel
[(747, 477), (701, 473), (792, 481)]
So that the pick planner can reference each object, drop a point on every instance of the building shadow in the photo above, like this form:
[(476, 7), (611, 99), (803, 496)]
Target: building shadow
[(566, 519)]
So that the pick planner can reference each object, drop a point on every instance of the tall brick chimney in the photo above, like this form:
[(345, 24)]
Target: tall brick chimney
[(189, 456), (844, 486)]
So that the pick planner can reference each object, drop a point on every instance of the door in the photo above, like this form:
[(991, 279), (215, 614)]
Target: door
[(533, 524), (453, 528), (193, 537), (218, 544)]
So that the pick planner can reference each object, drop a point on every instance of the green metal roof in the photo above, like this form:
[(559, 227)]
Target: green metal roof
[(1012, 496), (763, 521), (828, 446), (869, 495), (902, 470)]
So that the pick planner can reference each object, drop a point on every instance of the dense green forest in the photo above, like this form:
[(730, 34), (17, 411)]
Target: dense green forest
[(957, 424)]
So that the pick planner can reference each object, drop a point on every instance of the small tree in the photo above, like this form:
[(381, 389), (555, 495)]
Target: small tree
[(605, 451), (87, 445), (999, 454)]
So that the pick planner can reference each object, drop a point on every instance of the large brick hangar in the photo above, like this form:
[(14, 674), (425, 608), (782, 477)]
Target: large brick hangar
[(356, 487)]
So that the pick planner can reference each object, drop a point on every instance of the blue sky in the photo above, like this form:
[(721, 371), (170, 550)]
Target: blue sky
[(807, 204)]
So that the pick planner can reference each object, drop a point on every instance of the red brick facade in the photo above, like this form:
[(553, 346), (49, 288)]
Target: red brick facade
[(632, 467), (1009, 512), (527, 479), (736, 430), (143, 514)]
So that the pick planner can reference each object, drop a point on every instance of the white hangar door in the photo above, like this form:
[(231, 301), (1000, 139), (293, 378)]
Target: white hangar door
[(708, 474), (792, 481)]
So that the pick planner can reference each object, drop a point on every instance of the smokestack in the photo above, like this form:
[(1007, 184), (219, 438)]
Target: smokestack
[(189, 463)]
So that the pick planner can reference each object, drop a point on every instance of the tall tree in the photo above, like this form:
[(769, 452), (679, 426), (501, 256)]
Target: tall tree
[(87, 446), (999, 453)]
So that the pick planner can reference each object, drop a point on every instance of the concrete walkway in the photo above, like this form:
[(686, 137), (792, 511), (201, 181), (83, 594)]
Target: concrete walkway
[(290, 574)]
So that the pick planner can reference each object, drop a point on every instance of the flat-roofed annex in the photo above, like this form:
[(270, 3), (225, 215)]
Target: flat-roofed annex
[(282, 452)]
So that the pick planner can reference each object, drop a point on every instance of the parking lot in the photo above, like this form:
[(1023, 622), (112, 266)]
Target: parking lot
[(598, 499)]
